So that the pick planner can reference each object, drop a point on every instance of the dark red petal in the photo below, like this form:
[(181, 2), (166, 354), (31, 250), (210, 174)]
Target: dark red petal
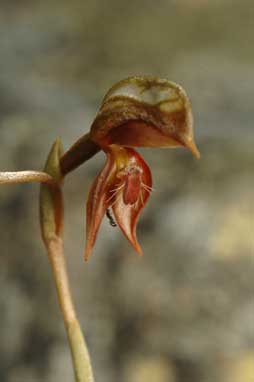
[(127, 215), (98, 202)]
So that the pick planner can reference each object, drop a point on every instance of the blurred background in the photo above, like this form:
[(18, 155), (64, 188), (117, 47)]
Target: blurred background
[(184, 312)]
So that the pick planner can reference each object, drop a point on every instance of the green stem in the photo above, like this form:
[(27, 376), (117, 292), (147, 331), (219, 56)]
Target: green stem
[(80, 356), (51, 215), (51, 218)]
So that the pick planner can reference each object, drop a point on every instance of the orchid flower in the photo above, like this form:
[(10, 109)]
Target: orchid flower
[(136, 112), (124, 184)]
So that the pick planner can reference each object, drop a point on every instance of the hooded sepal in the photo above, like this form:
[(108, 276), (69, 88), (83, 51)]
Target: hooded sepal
[(145, 112)]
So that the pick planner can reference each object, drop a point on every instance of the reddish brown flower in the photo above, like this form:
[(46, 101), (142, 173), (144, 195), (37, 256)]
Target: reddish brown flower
[(124, 184), (136, 112)]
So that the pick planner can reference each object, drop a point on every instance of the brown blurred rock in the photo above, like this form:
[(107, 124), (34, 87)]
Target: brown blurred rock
[(149, 369), (239, 368)]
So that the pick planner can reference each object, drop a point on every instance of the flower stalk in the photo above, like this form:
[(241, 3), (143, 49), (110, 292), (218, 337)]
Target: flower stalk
[(51, 217), (80, 356), (80, 152)]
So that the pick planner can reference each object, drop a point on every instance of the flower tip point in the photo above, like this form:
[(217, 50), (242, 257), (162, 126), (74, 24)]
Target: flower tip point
[(138, 250), (87, 254), (191, 145), (197, 154)]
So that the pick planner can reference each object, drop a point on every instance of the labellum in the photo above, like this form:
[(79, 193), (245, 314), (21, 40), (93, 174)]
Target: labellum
[(124, 184)]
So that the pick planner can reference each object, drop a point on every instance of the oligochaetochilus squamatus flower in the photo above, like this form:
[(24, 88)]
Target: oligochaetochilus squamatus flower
[(136, 112)]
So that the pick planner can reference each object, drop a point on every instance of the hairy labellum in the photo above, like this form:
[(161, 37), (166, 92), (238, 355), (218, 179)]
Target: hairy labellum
[(124, 184)]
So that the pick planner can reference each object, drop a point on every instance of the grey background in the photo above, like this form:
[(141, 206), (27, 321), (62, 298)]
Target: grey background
[(184, 312)]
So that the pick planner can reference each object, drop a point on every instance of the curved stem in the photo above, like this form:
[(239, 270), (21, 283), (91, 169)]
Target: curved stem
[(80, 152), (80, 356), (26, 176), (51, 218)]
